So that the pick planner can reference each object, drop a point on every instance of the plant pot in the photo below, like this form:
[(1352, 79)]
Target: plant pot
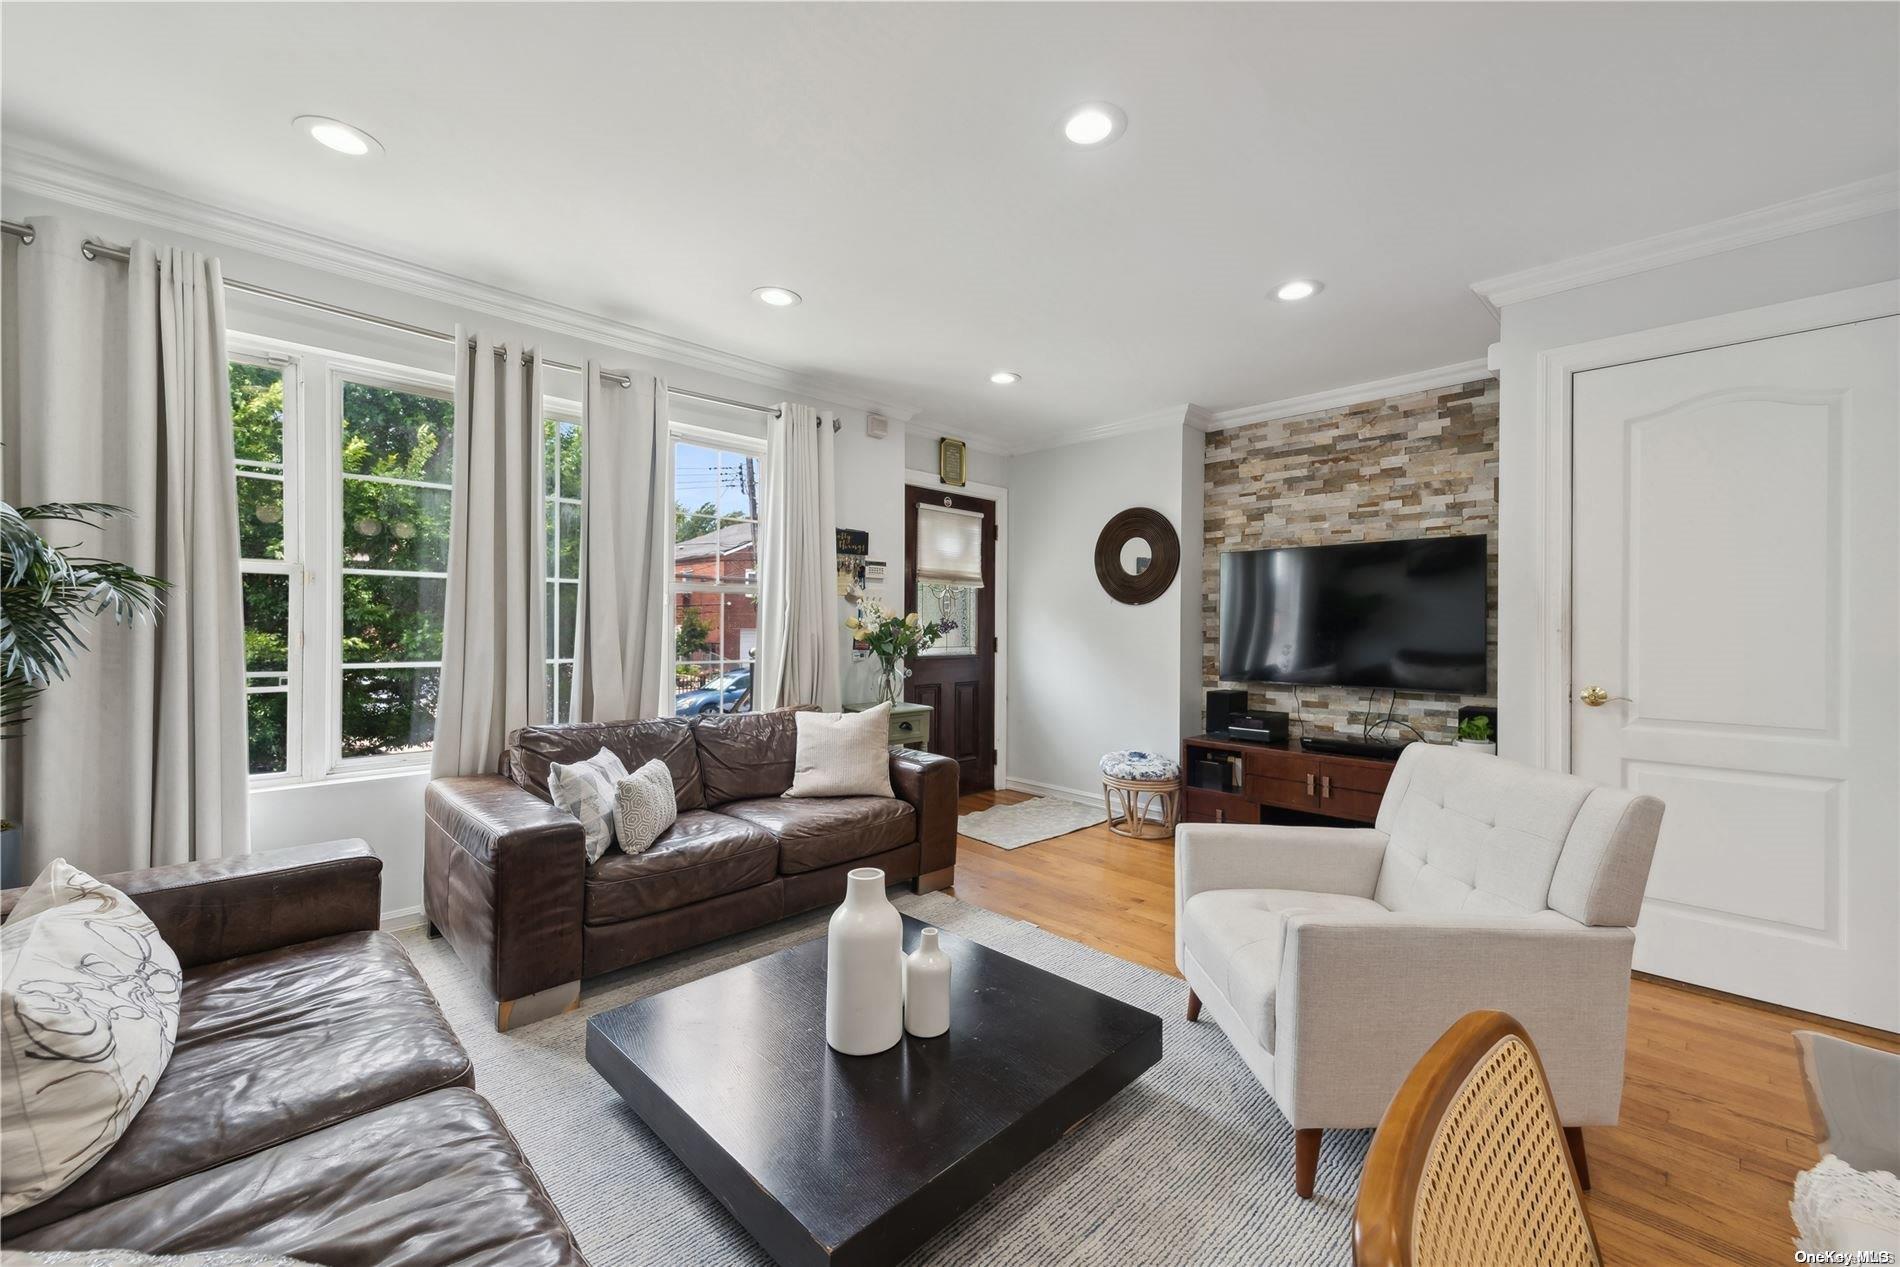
[(1477, 746), (864, 969)]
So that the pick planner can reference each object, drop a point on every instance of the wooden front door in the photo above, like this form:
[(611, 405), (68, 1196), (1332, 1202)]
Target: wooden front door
[(958, 678), (1734, 602)]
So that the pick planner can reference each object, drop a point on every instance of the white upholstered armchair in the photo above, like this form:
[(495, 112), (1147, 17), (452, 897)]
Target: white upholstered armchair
[(1334, 957)]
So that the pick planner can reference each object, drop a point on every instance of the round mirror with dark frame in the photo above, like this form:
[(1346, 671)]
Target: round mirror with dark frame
[(1137, 556)]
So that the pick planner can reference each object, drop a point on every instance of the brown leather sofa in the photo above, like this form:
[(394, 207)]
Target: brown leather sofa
[(316, 1105), (506, 879)]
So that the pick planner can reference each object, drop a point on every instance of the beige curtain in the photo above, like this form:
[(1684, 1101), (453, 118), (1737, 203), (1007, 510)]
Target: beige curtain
[(119, 393), (622, 636), (798, 569), (493, 626)]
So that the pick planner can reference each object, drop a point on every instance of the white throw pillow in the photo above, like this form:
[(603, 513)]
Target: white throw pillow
[(843, 754), (586, 790), (89, 1008), (644, 806)]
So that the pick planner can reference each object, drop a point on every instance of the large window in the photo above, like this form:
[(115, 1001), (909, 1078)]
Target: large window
[(343, 508), (715, 574), (561, 500), (394, 448)]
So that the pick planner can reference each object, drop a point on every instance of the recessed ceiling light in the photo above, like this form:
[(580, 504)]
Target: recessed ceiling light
[(1301, 289), (1096, 123), (778, 296), (1003, 378), (337, 135)]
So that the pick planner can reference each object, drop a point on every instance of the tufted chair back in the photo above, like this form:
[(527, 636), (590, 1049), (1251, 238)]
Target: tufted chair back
[(1477, 834)]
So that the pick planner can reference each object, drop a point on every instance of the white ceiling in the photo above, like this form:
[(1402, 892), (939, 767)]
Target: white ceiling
[(903, 167)]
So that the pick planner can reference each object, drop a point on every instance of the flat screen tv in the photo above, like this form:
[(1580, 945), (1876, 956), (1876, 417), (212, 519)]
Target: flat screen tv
[(1409, 615)]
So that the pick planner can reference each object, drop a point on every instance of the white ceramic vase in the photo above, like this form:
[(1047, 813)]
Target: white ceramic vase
[(927, 988), (1473, 745), (864, 969)]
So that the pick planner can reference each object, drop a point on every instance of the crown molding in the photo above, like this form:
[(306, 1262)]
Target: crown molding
[(1357, 394), (27, 169), (1874, 196), (1171, 416)]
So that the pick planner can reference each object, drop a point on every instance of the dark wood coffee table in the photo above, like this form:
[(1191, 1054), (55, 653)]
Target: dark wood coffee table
[(830, 1159)]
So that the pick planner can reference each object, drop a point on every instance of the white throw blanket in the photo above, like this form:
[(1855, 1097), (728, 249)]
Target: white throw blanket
[(1839, 1208)]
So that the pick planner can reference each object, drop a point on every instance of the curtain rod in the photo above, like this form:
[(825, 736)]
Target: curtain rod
[(93, 250)]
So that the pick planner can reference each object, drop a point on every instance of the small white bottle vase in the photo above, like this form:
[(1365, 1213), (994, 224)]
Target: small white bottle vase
[(927, 988), (864, 977)]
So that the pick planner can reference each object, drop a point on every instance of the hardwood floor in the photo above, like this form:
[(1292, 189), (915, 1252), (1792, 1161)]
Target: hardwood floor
[(1715, 1121)]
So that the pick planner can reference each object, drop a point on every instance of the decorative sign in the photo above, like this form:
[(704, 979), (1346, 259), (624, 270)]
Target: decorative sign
[(853, 545), (950, 466)]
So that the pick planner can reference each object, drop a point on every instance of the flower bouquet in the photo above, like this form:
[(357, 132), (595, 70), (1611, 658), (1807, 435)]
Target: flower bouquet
[(892, 638)]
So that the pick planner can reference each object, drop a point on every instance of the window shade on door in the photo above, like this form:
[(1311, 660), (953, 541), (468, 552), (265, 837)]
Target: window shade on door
[(949, 546)]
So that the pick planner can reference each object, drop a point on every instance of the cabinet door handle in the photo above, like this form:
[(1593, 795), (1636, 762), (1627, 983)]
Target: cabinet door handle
[(1309, 784), (1326, 785)]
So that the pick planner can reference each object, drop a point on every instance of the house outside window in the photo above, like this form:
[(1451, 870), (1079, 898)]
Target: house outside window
[(715, 573)]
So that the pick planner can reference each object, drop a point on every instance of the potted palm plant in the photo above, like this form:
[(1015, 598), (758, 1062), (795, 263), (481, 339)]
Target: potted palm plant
[(48, 594)]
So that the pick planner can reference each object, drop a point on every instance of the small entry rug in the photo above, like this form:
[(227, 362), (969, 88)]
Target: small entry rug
[(1026, 822), (1191, 1165)]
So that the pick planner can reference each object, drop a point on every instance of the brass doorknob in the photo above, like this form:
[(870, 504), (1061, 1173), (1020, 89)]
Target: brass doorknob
[(1597, 697)]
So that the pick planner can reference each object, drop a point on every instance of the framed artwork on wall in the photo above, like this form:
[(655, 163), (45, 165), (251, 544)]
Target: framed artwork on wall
[(950, 465)]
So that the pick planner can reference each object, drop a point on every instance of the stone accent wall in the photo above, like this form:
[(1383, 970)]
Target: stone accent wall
[(1406, 466)]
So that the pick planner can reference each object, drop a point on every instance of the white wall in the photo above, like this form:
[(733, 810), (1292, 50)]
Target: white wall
[(981, 466), (1841, 257), (386, 810), (1088, 674), (871, 497)]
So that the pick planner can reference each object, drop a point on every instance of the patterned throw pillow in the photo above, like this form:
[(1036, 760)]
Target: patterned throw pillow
[(586, 790), (644, 806), (89, 1010)]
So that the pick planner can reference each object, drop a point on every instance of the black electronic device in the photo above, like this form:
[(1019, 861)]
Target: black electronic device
[(1223, 707), (1259, 727), (1406, 615), (1350, 746), (1214, 773)]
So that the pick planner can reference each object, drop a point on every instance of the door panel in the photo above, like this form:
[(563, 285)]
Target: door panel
[(1735, 567), (960, 689)]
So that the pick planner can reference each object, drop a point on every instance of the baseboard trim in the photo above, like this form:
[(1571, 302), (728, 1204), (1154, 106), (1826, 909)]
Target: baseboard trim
[(1036, 787), (403, 918)]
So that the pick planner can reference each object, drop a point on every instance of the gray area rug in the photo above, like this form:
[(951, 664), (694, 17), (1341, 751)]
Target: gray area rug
[(1026, 822), (1190, 1165)]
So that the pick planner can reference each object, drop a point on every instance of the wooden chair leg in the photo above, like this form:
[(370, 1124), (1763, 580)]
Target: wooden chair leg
[(1573, 1136), (1305, 1160), (1194, 1006)]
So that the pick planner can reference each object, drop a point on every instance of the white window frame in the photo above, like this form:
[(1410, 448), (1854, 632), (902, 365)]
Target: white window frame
[(289, 367), (563, 412), (725, 442), (313, 451)]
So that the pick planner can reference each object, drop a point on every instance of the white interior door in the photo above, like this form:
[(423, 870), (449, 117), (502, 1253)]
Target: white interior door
[(1735, 565)]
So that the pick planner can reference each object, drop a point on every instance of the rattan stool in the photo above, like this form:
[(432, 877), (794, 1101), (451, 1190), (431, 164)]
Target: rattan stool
[(1140, 781)]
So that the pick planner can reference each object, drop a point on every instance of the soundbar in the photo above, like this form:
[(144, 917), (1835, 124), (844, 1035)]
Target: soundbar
[(1340, 745)]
